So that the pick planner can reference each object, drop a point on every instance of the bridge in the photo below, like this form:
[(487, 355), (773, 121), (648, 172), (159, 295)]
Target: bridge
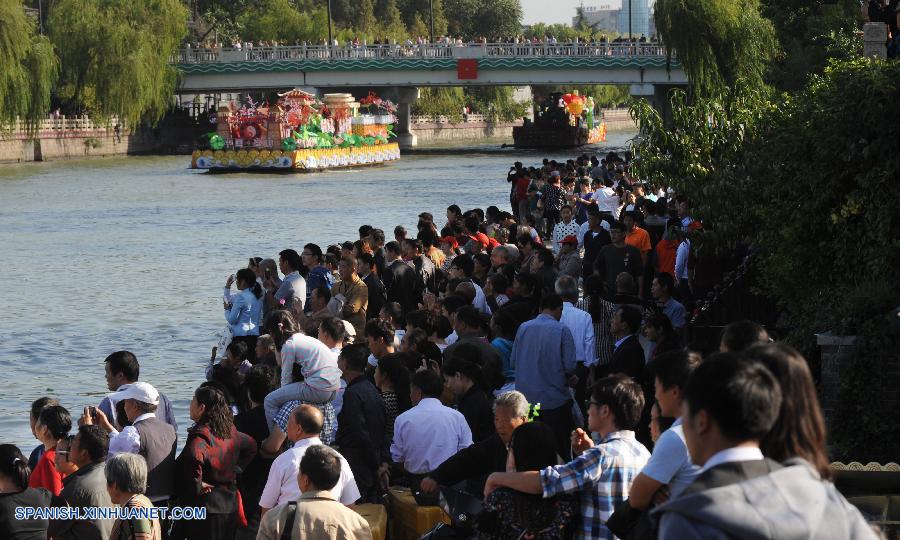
[(264, 68), (397, 71)]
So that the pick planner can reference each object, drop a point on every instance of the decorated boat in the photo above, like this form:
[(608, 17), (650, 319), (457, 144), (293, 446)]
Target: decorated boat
[(300, 133), (561, 121)]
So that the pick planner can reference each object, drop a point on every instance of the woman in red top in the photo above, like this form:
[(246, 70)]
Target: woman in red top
[(52, 426), (206, 469)]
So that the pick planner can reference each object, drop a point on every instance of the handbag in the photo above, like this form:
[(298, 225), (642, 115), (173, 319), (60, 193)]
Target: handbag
[(629, 523)]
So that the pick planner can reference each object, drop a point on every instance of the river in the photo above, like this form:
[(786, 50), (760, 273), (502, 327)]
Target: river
[(132, 253)]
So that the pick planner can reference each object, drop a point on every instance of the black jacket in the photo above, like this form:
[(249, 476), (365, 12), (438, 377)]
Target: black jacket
[(376, 297), (475, 406), (628, 358), (592, 246), (400, 281), (478, 460)]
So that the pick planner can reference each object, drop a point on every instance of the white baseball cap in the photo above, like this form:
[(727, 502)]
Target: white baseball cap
[(348, 328), (139, 391)]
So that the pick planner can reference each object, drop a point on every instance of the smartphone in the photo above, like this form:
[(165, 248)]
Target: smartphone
[(268, 273)]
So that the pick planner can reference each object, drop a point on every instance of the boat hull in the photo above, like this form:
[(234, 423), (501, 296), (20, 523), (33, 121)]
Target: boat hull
[(532, 136), (300, 160)]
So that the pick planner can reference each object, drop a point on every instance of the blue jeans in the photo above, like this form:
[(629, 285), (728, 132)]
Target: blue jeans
[(298, 390)]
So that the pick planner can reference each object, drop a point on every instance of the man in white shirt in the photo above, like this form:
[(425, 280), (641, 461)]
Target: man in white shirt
[(293, 286), (147, 435), (303, 430), (607, 200), (580, 323), (429, 433), (577, 321)]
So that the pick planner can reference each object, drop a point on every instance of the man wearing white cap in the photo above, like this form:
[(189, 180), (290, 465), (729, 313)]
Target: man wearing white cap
[(147, 435)]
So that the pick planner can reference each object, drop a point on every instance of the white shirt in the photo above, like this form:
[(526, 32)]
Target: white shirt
[(581, 325), (731, 455), (607, 201), (127, 441), (282, 485), (480, 301), (426, 435), (681, 258)]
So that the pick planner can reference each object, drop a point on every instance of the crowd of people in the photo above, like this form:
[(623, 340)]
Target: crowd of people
[(534, 357), (526, 43)]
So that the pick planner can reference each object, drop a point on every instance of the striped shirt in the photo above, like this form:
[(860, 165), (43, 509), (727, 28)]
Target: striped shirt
[(602, 476)]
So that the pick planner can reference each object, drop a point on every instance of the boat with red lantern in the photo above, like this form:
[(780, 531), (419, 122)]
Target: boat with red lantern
[(301, 133), (561, 121)]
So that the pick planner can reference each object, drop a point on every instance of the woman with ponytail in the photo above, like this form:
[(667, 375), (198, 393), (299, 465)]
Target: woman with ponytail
[(463, 372), (245, 314), (14, 492), (206, 469)]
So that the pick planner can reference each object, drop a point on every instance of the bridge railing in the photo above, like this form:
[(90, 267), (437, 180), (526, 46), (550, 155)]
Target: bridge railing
[(481, 50)]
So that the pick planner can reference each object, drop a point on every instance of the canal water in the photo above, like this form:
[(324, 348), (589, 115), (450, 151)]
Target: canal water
[(132, 253)]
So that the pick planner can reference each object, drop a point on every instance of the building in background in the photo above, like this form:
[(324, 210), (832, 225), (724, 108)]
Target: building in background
[(614, 16), (639, 14), (602, 17)]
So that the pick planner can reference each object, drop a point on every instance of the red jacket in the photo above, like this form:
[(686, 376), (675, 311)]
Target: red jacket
[(45, 474)]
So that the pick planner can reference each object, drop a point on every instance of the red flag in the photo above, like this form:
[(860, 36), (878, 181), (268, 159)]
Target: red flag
[(467, 69)]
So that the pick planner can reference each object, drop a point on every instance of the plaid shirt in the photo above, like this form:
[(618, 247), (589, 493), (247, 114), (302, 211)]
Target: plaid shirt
[(329, 426), (602, 476)]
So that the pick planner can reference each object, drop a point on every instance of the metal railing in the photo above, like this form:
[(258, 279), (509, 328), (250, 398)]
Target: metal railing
[(399, 51)]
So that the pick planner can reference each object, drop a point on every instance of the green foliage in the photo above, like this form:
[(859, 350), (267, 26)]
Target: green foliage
[(418, 28), (392, 25), (365, 16), (280, 20), (834, 149), (704, 155), (28, 67), (811, 180), (806, 29), (496, 102), (717, 41), (605, 95), (473, 19), (114, 54), (437, 101)]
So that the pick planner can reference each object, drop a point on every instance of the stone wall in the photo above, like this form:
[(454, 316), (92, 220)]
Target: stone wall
[(17, 150), (433, 132), (618, 120)]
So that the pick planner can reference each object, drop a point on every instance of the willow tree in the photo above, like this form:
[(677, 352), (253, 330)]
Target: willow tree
[(115, 55), (28, 67), (717, 42), (282, 21)]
